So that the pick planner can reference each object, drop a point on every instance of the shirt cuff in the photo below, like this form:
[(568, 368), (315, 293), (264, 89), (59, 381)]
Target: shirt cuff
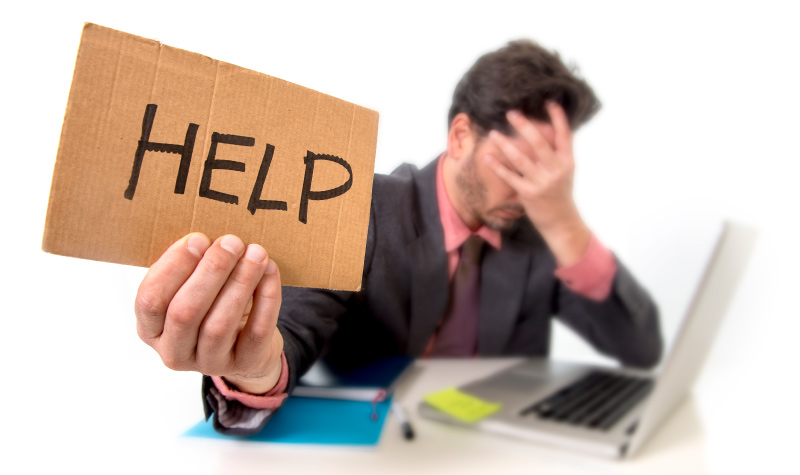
[(593, 275), (271, 400)]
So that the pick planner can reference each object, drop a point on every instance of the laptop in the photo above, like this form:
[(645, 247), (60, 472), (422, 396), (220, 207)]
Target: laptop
[(605, 411)]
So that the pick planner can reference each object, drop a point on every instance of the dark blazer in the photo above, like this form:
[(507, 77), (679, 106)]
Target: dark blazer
[(405, 293)]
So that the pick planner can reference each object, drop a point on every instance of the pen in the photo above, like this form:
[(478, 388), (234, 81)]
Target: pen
[(400, 414)]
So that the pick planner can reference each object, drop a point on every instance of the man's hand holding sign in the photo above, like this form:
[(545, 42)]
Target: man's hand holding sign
[(212, 308)]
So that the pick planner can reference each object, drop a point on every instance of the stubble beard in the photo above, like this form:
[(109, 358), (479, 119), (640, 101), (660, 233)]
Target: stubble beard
[(474, 193)]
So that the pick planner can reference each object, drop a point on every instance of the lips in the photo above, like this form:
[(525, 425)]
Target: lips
[(508, 214)]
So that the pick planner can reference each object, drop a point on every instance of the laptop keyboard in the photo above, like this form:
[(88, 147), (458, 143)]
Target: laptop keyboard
[(596, 401)]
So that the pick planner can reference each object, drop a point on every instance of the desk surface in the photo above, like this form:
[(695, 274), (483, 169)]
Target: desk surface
[(154, 445), (139, 432)]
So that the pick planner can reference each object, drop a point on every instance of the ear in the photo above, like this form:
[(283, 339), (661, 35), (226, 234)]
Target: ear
[(461, 137)]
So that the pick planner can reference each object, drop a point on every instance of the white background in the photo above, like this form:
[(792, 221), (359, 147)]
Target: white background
[(699, 119)]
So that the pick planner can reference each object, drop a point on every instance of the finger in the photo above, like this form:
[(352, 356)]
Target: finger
[(163, 280), (255, 340), (561, 126), (513, 179), (194, 299), (526, 129), (218, 330), (246, 313), (522, 163)]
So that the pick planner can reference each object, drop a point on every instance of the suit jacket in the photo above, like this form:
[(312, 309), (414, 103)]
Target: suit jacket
[(405, 291)]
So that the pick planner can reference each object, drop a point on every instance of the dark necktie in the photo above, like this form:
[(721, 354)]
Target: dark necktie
[(458, 333)]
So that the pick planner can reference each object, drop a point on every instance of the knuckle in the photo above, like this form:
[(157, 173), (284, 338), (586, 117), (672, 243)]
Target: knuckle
[(182, 316), (149, 303), (244, 275), (183, 267), (215, 333), (218, 264), (143, 334), (259, 333), (270, 297)]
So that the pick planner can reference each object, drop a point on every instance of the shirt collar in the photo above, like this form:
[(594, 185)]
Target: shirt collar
[(455, 231)]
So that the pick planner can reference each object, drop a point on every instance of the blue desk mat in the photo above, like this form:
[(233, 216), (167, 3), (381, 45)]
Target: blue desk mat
[(314, 421)]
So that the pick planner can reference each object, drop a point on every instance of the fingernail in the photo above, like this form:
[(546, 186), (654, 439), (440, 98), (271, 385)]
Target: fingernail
[(255, 253), (487, 158), (271, 267), (232, 244), (513, 114), (197, 244)]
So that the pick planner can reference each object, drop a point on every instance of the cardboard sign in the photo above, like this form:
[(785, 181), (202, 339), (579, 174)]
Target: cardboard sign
[(158, 142)]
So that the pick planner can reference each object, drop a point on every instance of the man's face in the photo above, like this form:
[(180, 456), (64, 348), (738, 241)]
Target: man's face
[(488, 198)]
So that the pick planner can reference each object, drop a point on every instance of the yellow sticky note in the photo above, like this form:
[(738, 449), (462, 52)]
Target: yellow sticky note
[(462, 406)]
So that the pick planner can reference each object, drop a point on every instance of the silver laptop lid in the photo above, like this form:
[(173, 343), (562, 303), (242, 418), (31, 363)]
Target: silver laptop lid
[(709, 305)]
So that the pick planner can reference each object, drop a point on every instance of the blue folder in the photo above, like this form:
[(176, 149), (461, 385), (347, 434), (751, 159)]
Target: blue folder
[(314, 421)]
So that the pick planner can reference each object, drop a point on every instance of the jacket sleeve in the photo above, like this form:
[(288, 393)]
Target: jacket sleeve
[(624, 325), (232, 417)]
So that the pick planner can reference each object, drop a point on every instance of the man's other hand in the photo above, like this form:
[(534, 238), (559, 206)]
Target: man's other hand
[(540, 167), (212, 308)]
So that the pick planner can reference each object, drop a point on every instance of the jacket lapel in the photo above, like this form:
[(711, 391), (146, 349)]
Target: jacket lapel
[(503, 277), (430, 285), (429, 292)]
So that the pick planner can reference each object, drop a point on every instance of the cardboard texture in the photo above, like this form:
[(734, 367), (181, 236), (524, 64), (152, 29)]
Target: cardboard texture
[(158, 142)]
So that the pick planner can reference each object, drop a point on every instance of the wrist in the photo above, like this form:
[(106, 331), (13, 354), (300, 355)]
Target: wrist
[(567, 238), (258, 384)]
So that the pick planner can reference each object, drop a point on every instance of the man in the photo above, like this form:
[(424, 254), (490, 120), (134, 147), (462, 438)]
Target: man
[(472, 255)]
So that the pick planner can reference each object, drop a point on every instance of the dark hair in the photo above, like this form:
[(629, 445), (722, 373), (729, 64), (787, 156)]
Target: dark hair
[(521, 75)]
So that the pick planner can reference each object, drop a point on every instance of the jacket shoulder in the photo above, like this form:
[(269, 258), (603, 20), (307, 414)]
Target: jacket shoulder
[(395, 192)]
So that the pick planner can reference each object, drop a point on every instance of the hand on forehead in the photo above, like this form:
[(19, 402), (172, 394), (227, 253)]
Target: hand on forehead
[(547, 129), (548, 145), (531, 135)]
